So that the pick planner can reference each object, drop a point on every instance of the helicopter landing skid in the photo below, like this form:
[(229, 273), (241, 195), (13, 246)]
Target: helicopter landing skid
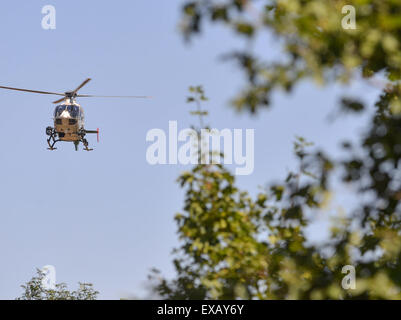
[(86, 144), (51, 141), (82, 134)]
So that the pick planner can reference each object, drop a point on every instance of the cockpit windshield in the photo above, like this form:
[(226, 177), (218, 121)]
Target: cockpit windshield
[(72, 110)]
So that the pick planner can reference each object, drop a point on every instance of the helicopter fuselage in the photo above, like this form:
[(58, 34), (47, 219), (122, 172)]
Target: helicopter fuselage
[(68, 121), (69, 125)]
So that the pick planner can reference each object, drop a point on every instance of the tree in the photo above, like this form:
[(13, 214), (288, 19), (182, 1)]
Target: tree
[(34, 290), (315, 44), (234, 246)]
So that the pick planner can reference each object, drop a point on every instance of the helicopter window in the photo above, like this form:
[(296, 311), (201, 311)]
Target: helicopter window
[(59, 110), (73, 110)]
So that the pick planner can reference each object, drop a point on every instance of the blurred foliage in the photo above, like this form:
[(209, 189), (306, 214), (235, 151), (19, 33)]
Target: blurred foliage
[(237, 246), (315, 45), (34, 290)]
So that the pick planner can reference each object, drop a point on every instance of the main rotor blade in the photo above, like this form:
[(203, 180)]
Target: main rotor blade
[(82, 84), (34, 91), (96, 96), (59, 100)]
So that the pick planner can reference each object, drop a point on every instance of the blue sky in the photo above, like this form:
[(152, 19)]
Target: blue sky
[(106, 216)]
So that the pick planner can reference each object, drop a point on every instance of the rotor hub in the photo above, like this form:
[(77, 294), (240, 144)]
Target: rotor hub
[(70, 94)]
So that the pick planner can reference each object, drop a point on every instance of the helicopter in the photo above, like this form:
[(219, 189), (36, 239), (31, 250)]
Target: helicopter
[(69, 117)]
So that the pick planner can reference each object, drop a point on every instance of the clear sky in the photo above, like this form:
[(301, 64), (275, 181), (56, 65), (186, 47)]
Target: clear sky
[(106, 216)]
